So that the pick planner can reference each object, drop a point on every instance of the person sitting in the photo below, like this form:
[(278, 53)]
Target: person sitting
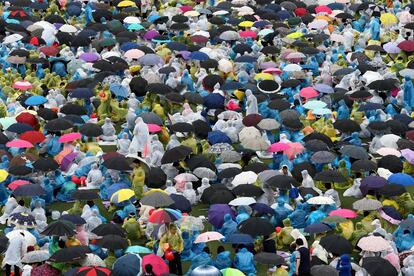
[(133, 228), (94, 178), (222, 260), (109, 132), (189, 193), (244, 262), (229, 226), (201, 259)]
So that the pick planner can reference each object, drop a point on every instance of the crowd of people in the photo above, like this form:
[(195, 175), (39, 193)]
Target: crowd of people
[(262, 137)]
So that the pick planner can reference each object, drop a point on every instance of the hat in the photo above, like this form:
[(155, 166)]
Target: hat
[(55, 215)]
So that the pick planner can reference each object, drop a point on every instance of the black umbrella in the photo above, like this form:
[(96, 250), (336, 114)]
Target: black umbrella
[(70, 254), (347, 126), (201, 129), (326, 270), (75, 119), (319, 136), (194, 98), (180, 203), (20, 170), (330, 176), (221, 197), (256, 226), (45, 164), (91, 130), (60, 228), (209, 64), (19, 128), (336, 244), (392, 190), (155, 178), (279, 104), (379, 266), (75, 219), (113, 242), (75, 109), (305, 191), (384, 85), (118, 163), (292, 123), (197, 161), (247, 190), (270, 50), (109, 229), (156, 199), (29, 190), (167, 70), (355, 152), (268, 86), (85, 194), (364, 165), (211, 80), (360, 95), (228, 173), (47, 114), (378, 126), (298, 168), (391, 163), (182, 127), (290, 83), (159, 88), (241, 48), (4, 242), (3, 138), (268, 258), (209, 192), (176, 154), (256, 167), (282, 182), (316, 145), (58, 124), (151, 118)]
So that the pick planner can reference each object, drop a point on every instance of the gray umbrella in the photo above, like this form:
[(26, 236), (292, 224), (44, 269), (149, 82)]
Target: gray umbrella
[(323, 157), (366, 204), (354, 152), (269, 124), (325, 270), (288, 5), (230, 35), (150, 60), (289, 114), (205, 270), (151, 118), (230, 156), (157, 199), (316, 145)]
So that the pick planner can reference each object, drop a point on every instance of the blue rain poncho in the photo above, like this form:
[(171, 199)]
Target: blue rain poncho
[(242, 215), (244, 262), (229, 226), (223, 260)]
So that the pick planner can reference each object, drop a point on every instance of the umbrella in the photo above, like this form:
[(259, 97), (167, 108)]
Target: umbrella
[(136, 249), (93, 270), (45, 269), (113, 242), (336, 244), (60, 228), (163, 216), (372, 183), (19, 128), (247, 190), (256, 226), (330, 176), (128, 265), (345, 213), (69, 254), (122, 196), (322, 157), (364, 165), (321, 200), (180, 203), (282, 182), (269, 259), (109, 229), (347, 126), (75, 219), (175, 154), (157, 199), (378, 266), (85, 194), (29, 190), (158, 264), (326, 270), (216, 214), (401, 179), (45, 164), (117, 163), (373, 244), (20, 144), (366, 204), (91, 130), (208, 236), (317, 228), (242, 201), (23, 220), (355, 152), (36, 256), (58, 124), (248, 177)]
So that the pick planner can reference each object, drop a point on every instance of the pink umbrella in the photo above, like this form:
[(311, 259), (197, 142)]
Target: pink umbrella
[(154, 128), (308, 93), (17, 183), (373, 244), (134, 54), (69, 137), (248, 34), (266, 65), (294, 149), (209, 236), (159, 267), (408, 155), (186, 8), (273, 70), (22, 85), (388, 151), (19, 143), (345, 213), (150, 34), (276, 147), (323, 9)]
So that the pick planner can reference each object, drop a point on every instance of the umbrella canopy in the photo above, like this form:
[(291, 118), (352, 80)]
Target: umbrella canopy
[(128, 265), (255, 226), (336, 244), (113, 242), (378, 266), (60, 228)]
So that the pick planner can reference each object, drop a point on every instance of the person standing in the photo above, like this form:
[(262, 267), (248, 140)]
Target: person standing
[(173, 238), (14, 254), (303, 259)]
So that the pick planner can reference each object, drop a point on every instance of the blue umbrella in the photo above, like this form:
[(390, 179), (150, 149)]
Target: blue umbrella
[(150, 60), (214, 101), (215, 137), (138, 250), (216, 214), (197, 55), (81, 93), (370, 106), (19, 128), (372, 182), (240, 239), (127, 265), (317, 228), (283, 14), (261, 24), (177, 46), (116, 187), (180, 203), (401, 179), (324, 88), (232, 85), (128, 46), (119, 90), (262, 208), (152, 18), (35, 100), (336, 6)]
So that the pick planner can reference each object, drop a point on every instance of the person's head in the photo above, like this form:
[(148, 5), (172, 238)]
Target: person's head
[(90, 203), (206, 250), (21, 202), (148, 268), (299, 242), (173, 229), (285, 170), (328, 186), (220, 249), (292, 247)]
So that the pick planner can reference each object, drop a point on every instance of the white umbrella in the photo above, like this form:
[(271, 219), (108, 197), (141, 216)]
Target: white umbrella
[(66, 28), (318, 24), (321, 200), (371, 76), (229, 115), (390, 141), (373, 244), (36, 256), (30, 239), (388, 151), (203, 172), (111, 54), (269, 124), (186, 177), (220, 12), (132, 20), (225, 65), (245, 10), (45, 25), (229, 35), (384, 173), (202, 33), (248, 177), (407, 72), (292, 68), (241, 201), (12, 38), (93, 260), (366, 204), (224, 166), (295, 55)]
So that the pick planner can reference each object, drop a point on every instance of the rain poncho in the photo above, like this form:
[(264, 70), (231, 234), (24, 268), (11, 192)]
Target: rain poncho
[(223, 260), (141, 137), (244, 262), (187, 253), (189, 193), (344, 266), (308, 182), (199, 260), (229, 226), (242, 214), (298, 217), (408, 89), (109, 132), (94, 178), (251, 103), (16, 249)]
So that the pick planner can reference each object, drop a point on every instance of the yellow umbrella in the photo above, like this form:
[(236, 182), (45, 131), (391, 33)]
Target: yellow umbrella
[(3, 175), (191, 13), (246, 24), (125, 4), (295, 35), (263, 76), (388, 19), (122, 195), (323, 17), (155, 191)]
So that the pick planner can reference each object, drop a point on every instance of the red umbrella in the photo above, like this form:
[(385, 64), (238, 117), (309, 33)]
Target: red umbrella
[(323, 9), (33, 136), (20, 144), (163, 216), (248, 34), (17, 183), (49, 50), (93, 271), (199, 39), (27, 118), (406, 45), (159, 267), (301, 11), (308, 92)]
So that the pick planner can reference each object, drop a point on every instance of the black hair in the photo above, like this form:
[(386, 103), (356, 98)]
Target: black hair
[(206, 249), (328, 185), (148, 268), (299, 242), (90, 203), (21, 202)]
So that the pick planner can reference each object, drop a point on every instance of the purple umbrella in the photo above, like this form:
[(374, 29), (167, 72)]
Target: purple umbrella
[(89, 57), (391, 48), (216, 214), (185, 54), (323, 88), (408, 155), (151, 34), (372, 182), (67, 160), (150, 60)]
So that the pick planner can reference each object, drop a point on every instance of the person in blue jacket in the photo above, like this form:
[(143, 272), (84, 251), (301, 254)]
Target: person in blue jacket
[(281, 212), (223, 259), (344, 265), (54, 147), (408, 92), (4, 162), (242, 214), (187, 254), (316, 216), (229, 226), (187, 81), (244, 262), (48, 197), (375, 28), (355, 140), (203, 258), (343, 111), (298, 217)]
